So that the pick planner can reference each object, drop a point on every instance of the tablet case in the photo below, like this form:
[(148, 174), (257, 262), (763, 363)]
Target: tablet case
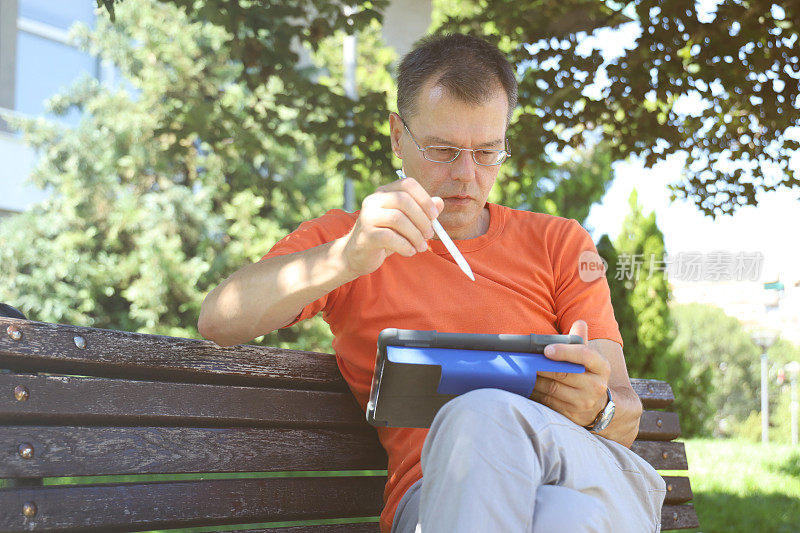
[(417, 372)]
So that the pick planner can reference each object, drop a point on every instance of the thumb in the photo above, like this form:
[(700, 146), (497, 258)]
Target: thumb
[(580, 328)]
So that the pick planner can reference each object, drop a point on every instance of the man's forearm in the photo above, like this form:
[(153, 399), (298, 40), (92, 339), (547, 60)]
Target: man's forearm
[(627, 412), (264, 296)]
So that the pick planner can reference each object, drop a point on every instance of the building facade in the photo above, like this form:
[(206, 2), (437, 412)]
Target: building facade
[(37, 60)]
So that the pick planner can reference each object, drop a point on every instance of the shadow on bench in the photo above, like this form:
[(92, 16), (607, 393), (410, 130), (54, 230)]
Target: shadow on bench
[(89, 402)]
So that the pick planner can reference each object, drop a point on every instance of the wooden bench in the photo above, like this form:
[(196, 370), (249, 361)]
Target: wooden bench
[(79, 401)]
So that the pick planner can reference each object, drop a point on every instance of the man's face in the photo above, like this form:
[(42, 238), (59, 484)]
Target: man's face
[(444, 120)]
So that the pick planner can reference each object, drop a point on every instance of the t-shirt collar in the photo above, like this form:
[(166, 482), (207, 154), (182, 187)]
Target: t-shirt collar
[(497, 216)]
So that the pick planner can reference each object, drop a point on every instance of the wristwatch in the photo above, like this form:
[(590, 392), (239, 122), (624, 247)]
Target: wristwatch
[(604, 418)]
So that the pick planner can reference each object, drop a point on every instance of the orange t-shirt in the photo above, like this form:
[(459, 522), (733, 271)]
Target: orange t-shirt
[(526, 281)]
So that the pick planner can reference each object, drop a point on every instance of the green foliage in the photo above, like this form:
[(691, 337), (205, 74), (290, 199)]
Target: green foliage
[(715, 344), (624, 312), (159, 194), (747, 109), (269, 40), (568, 189), (740, 60), (749, 429), (780, 417), (163, 190), (718, 345), (237, 130), (780, 429), (374, 64), (640, 246)]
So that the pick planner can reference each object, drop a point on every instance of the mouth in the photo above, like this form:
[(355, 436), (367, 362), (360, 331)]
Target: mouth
[(459, 197)]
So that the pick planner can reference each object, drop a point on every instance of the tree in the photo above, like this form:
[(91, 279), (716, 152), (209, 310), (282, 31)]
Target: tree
[(159, 194), (637, 279), (747, 107), (624, 312), (716, 344), (567, 189), (641, 244)]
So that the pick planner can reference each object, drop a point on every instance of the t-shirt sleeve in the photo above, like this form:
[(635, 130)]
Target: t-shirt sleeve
[(309, 234), (581, 288)]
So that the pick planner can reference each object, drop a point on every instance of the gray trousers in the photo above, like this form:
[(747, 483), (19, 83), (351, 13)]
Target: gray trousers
[(494, 461)]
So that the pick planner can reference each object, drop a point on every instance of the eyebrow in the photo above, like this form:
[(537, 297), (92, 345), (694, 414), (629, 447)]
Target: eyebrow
[(432, 141)]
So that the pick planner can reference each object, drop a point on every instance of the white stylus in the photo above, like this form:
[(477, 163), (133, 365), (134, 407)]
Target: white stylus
[(448, 242)]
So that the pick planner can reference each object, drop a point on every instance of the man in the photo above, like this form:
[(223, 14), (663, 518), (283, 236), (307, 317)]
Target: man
[(492, 460)]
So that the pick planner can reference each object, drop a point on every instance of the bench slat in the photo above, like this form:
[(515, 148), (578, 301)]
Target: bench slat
[(81, 451), (181, 505), (107, 401), (658, 425), (678, 517), (679, 490), (365, 527), (654, 394), (129, 506), (662, 455), (687, 518), (51, 348), (64, 451)]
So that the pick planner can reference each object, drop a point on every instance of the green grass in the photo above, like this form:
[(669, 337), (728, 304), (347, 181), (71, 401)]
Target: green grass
[(742, 486)]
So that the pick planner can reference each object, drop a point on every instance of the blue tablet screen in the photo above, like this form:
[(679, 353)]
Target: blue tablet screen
[(466, 370)]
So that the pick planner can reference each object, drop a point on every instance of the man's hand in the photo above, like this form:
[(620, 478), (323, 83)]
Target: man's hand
[(395, 218), (579, 397)]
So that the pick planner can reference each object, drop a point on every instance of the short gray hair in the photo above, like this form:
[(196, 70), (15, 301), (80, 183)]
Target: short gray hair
[(467, 67)]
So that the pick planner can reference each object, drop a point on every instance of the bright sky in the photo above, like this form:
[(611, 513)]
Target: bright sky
[(768, 228)]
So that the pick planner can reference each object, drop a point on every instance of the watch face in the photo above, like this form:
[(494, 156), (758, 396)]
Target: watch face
[(608, 414), (604, 418)]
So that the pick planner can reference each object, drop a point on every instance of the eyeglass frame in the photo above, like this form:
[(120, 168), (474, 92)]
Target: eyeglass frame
[(506, 150)]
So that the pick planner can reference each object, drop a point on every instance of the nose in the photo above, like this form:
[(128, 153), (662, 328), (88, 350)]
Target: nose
[(464, 167)]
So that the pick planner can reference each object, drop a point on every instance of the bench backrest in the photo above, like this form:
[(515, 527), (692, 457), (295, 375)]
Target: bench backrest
[(83, 402)]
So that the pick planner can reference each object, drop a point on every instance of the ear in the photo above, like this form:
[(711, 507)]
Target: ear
[(395, 132)]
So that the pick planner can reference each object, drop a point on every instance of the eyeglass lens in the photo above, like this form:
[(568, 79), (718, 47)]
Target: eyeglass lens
[(446, 154)]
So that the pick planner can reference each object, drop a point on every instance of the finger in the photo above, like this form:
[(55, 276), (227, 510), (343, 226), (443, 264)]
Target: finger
[(392, 241), (403, 201), (421, 196), (566, 378), (563, 398), (581, 329), (398, 221), (557, 389), (578, 353), (560, 406)]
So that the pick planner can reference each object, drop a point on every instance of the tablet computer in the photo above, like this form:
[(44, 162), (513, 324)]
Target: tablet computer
[(417, 372)]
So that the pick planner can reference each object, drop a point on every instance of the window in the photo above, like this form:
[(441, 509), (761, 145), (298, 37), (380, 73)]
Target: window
[(44, 68), (36, 62), (36, 57), (61, 14)]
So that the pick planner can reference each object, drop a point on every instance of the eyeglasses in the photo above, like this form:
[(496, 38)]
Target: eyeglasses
[(448, 154)]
